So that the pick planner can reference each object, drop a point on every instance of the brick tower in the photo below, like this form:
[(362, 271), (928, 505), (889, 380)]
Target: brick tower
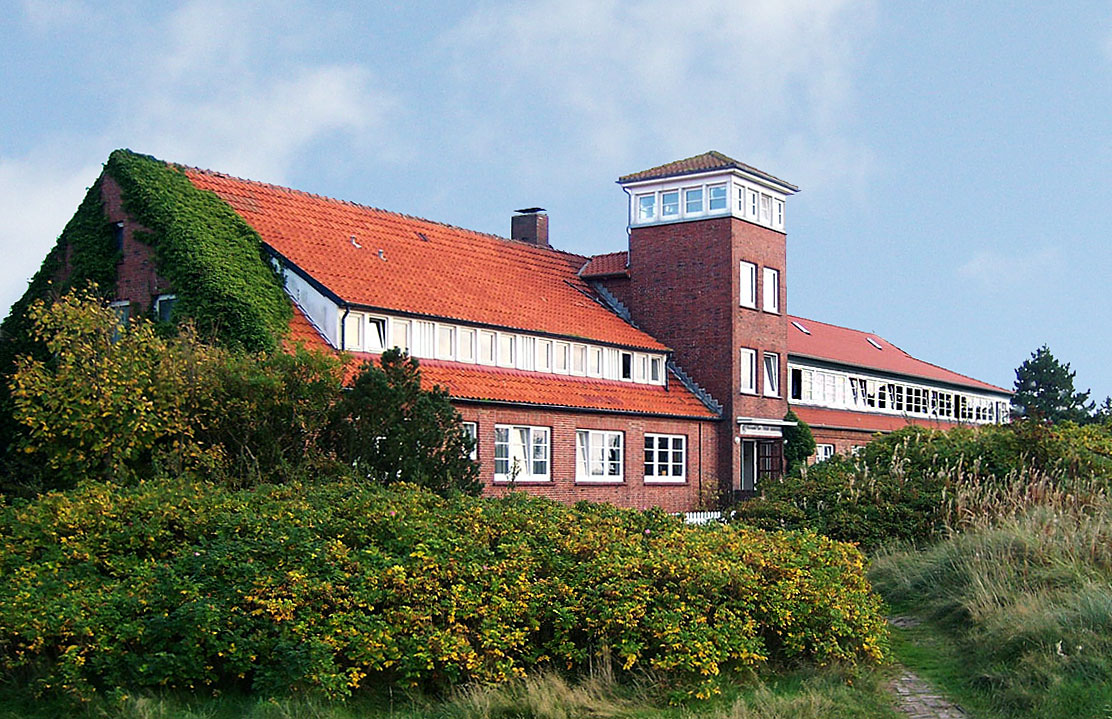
[(707, 276)]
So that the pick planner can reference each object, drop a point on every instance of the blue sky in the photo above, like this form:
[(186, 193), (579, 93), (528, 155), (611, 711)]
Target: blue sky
[(954, 159)]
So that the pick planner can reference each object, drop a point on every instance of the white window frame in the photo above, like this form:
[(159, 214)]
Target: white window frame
[(724, 199), (823, 452), (652, 464), (593, 449), (507, 349), (405, 327), (771, 379), (467, 347), (594, 362), (701, 209), (528, 463), (561, 357), (623, 358), (424, 339), (579, 355), (665, 201), (452, 332), (771, 290), (640, 368), (487, 341), (656, 370), (471, 429), (171, 298), (747, 370), (747, 290), (544, 355), (646, 201), (526, 352)]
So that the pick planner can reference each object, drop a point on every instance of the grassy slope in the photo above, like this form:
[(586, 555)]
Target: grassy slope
[(823, 694)]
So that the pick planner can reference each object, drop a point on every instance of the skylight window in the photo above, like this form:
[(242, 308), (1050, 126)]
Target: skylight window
[(873, 342), (801, 328)]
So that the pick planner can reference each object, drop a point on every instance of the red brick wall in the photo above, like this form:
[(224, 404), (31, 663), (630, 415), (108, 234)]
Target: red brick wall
[(633, 491), (844, 440), (685, 289), (137, 282)]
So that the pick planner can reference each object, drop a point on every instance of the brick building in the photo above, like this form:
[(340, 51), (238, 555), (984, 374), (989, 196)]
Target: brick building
[(657, 375)]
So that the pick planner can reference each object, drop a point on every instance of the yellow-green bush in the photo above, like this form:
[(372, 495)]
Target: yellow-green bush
[(326, 588)]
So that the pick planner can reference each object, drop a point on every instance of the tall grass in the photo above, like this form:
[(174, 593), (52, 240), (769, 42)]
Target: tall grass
[(1024, 584)]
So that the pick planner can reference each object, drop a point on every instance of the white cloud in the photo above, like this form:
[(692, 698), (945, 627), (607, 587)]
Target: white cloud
[(679, 78), (999, 272), (38, 195), (217, 99)]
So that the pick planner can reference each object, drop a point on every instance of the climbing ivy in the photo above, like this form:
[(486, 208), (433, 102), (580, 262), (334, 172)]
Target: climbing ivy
[(210, 255), (84, 255)]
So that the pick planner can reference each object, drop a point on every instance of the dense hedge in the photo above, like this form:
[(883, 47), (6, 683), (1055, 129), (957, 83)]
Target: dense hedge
[(902, 485), (330, 587), (210, 255)]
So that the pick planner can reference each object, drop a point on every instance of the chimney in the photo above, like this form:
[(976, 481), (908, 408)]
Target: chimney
[(530, 225)]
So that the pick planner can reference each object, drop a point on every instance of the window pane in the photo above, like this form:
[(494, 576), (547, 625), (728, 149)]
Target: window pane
[(466, 350), (401, 334), (445, 342), (670, 203), (772, 374), (693, 200), (747, 293), (646, 207), (716, 196)]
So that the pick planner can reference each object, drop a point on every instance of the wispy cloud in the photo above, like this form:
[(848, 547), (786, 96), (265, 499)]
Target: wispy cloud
[(619, 77), (999, 272)]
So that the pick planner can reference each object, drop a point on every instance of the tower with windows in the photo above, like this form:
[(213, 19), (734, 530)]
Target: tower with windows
[(707, 276)]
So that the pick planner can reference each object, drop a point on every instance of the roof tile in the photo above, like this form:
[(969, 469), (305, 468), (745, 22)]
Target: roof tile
[(706, 162), (611, 264), (394, 262), (852, 347)]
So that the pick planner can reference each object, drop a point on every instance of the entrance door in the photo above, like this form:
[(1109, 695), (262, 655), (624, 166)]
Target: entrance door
[(748, 466)]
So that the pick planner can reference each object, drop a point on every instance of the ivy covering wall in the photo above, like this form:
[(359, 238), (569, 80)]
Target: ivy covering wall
[(213, 259)]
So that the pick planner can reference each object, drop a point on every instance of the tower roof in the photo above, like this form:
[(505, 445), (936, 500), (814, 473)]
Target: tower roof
[(706, 162)]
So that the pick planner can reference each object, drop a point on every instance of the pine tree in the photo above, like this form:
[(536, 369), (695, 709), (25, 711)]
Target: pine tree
[(799, 442), (1044, 390)]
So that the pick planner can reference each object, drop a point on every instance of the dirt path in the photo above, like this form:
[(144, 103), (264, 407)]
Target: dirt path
[(915, 697)]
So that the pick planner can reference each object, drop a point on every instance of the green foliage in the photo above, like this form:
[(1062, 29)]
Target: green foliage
[(389, 429), (124, 404), (1026, 600), (108, 403), (1044, 390), (799, 442), (211, 256), (89, 244), (329, 587), (903, 485)]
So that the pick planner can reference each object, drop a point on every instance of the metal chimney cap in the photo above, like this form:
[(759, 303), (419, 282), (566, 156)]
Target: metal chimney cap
[(529, 210)]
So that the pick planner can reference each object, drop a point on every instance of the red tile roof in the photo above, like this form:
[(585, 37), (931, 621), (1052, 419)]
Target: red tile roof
[(863, 421), (389, 261), (851, 347), (611, 264), (495, 384), (706, 162)]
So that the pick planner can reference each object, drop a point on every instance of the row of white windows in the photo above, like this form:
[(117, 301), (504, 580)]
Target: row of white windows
[(524, 454), (700, 200), (770, 364), (843, 391), (438, 340), (770, 284), (824, 452)]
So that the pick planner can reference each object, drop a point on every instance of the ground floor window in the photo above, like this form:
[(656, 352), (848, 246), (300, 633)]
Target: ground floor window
[(823, 452), (521, 453), (471, 429), (665, 457), (598, 456), (770, 460)]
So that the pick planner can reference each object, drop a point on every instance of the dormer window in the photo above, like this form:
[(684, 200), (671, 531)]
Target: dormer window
[(646, 207)]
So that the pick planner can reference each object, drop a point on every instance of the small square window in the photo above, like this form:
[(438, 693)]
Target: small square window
[(716, 197), (670, 203), (693, 200)]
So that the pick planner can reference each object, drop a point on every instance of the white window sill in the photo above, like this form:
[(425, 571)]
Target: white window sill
[(674, 481)]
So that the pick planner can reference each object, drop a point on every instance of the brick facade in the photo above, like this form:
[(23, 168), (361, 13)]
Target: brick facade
[(699, 489), (684, 287), (137, 280)]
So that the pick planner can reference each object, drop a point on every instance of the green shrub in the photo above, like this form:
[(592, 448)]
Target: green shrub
[(328, 587), (123, 404), (909, 485)]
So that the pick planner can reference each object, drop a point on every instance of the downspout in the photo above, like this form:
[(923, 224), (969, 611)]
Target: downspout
[(700, 462), (343, 327)]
